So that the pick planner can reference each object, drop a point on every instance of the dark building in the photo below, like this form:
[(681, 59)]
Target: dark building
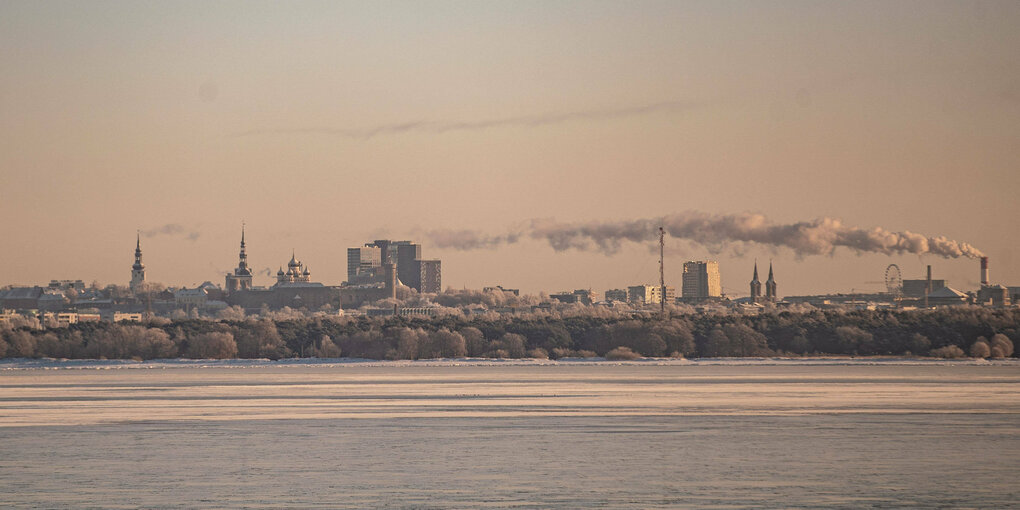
[(431, 275), (918, 288), (516, 292), (407, 271)]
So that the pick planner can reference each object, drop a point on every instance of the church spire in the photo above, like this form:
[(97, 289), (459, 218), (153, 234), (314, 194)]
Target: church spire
[(755, 284), (138, 269), (770, 285), (138, 252)]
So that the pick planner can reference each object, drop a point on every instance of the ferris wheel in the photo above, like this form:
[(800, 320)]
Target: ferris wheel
[(893, 280)]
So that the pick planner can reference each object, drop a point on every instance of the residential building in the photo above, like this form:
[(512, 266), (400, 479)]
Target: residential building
[(701, 280)]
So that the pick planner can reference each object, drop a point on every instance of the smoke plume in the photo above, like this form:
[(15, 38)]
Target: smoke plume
[(716, 232), (439, 127), (171, 229)]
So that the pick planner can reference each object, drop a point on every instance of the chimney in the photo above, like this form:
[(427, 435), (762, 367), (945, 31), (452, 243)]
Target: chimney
[(984, 271), (927, 288)]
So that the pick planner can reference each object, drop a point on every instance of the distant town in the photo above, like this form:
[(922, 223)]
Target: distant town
[(386, 277)]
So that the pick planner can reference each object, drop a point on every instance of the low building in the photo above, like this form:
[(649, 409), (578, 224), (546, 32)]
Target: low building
[(947, 296), (581, 296), (516, 292), (616, 295), (649, 294), (76, 285), (993, 295)]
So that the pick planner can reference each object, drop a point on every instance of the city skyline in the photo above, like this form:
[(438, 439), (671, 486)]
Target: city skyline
[(322, 125), (271, 276)]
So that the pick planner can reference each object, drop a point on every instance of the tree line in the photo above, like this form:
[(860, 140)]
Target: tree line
[(950, 332)]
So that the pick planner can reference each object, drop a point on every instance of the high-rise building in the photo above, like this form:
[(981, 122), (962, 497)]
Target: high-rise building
[(407, 271), (755, 285), (701, 280), (363, 264), (242, 277), (138, 269), (770, 286), (430, 272)]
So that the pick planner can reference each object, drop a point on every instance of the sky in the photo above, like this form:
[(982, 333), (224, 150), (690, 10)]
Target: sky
[(324, 125)]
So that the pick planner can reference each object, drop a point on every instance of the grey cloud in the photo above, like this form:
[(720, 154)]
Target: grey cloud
[(439, 127), (172, 229)]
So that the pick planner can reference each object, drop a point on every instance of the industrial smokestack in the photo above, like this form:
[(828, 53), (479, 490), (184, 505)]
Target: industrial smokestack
[(984, 271), (927, 287)]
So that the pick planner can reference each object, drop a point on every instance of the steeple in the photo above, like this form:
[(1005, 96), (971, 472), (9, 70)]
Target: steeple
[(242, 277), (755, 284), (770, 285), (242, 263), (138, 269), (138, 252)]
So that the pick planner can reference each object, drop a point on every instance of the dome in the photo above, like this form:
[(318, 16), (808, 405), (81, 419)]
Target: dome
[(280, 272), (293, 261), (307, 272)]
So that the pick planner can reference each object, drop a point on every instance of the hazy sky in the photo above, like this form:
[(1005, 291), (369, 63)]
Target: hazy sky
[(323, 125)]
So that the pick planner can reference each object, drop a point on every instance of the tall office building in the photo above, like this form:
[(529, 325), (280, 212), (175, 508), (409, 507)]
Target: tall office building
[(363, 264), (430, 272), (701, 280), (407, 271)]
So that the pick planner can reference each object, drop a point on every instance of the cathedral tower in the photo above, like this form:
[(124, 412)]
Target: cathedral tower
[(755, 285), (242, 277), (138, 269), (770, 285)]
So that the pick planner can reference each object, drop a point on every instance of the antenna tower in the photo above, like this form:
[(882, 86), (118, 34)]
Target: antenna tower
[(662, 273)]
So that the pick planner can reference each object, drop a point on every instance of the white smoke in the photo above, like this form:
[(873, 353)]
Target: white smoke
[(716, 232)]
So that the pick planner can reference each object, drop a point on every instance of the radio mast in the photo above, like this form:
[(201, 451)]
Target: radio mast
[(662, 273)]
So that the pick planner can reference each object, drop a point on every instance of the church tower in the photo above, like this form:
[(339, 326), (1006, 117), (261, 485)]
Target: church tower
[(770, 285), (755, 285), (138, 269), (242, 277)]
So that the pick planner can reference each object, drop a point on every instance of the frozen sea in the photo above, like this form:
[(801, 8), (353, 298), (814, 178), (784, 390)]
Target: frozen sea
[(473, 433)]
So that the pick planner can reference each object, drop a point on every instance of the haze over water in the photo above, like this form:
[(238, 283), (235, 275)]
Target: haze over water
[(475, 434)]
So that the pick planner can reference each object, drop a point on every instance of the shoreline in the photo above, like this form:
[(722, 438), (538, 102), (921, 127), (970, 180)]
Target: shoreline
[(19, 364)]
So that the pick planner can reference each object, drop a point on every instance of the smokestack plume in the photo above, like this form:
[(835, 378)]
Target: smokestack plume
[(717, 232), (984, 271)]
